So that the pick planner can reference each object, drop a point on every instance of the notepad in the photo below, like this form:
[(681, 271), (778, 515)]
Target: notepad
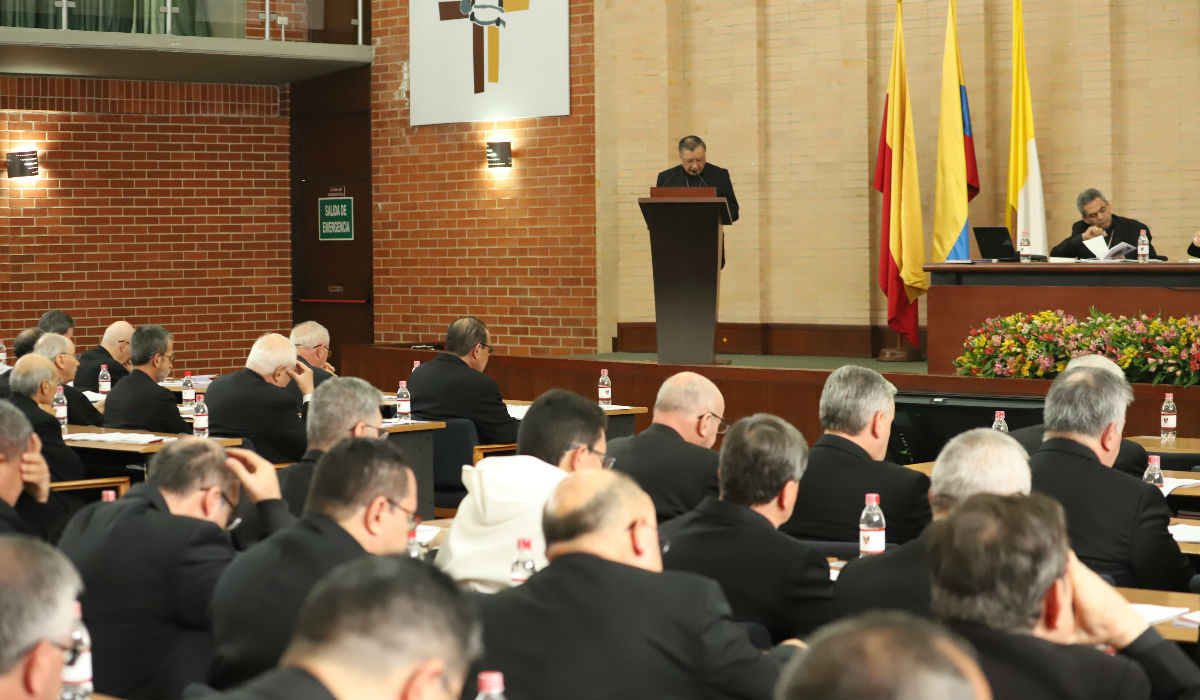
[(119, 438), (1155, 614), (1185, 533), (1170, 484), (426, 533)]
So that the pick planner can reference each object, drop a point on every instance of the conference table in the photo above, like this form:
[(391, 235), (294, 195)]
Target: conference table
[(129, 448), (621, 419)]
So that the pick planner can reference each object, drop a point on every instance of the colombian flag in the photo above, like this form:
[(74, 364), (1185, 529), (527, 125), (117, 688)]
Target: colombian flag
[(1025, 198), (957, 173), (902, 246)]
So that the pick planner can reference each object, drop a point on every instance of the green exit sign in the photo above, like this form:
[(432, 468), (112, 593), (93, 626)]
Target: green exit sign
[(335, 218)]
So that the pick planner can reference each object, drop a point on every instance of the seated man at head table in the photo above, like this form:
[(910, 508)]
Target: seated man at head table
[(772, 580), (1118, 524), (1004, 577), (977, 461), (453, 384), (112, 352), (884, 655), (60, 350), (562, 433), (341, 408), (604, 620), (848, 461), (34, 380), (673, 459), (56, 321), (27, 505), (362, 501), (38, 588), (139, 403), (151, 560), (1098, 220), (376, 627), (254, 402), (22, 346)]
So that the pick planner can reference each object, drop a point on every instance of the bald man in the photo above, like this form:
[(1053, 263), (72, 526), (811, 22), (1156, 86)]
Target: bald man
[(649, 633), (673, 459), (34, 381), (113, 351)]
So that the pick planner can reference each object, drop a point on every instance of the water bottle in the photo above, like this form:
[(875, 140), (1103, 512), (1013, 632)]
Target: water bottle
[(189, 390), (1153, 473), (523, 566), (60, 408), (1025, 247), (403, 402), (1168, 417), (416, 364), (414, 549), (1000, 424), (871, 528), (104, 380), (1143, 247), (604, 388), (3, 356), (77, 678), (491, 686), (200, 418)]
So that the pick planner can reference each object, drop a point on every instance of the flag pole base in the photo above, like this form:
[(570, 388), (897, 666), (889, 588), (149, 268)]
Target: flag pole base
[(900, 353)]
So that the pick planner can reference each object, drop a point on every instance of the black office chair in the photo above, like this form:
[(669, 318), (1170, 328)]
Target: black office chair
[(451, 450)]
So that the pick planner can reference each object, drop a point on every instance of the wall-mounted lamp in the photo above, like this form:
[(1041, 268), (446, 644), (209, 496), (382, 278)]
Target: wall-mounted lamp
[(22, 163), (499, 154)]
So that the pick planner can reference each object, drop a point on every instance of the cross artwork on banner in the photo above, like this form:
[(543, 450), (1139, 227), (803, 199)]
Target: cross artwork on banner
[(485, 60)]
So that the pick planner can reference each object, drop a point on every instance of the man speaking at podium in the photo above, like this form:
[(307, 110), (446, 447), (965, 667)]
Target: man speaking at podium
[(696, 171)]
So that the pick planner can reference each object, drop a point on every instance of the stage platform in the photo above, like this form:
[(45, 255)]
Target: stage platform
[(828, 363)]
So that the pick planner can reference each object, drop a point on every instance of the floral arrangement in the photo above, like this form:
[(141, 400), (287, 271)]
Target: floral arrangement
[(1148, 347)]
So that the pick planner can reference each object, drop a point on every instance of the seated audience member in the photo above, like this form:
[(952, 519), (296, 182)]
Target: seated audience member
[(1097, 220), (847, 463), (1118, 524), (113, 352), (884, 655), (362, 502), (140, 403), (770, 579), (341, 409), (55, 321), (60, 350), (312, 348), (1131, 459), (562, 433), (254, 402), (1004, 577), (603, 620), (376, 627), (151, 560), (27, 505), (673, 460), (453, 384), (22, 346), (34, 381), (977, 461), (38, 587)]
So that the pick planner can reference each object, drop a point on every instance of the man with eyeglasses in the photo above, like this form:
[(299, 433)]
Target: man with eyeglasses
[(673, 459), (773, 582), (362, 501), (34, 380), (312, 350), (1098, 220), (139, 403), (151, 560), (561, 434), (453, 384), (38, 587), (604, 616), (60, 350), (113, 351)]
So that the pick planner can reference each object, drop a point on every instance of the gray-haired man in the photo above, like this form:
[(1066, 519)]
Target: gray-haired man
[(1097, 220)]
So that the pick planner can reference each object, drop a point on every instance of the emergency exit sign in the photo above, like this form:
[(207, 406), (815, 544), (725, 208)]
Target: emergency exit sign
[(335, 219)]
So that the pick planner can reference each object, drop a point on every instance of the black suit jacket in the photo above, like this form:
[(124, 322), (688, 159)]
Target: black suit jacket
[(243, 404), (148, 580), (676, 474), (295, 480), (834, 487), (1117, 524), (446, 387), (1132, 458), (710, 176), (283, 683), (1121, 230), (898, 579), (80, 410), (44, 520), (5, 386), (139, 403), (585, 627), (87, 376), (768, 577), (258, 598), (65, 465)]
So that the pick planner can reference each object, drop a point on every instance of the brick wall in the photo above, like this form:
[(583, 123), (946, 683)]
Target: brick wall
[(453, 239), (161, 203)]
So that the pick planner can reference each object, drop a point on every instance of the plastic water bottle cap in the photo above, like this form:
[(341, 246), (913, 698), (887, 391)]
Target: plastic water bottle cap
[(103, 366), (604, 372), (524, 543), (1170, 396), (999, 415), (187, 374), (491, 682), (872, 499), (403, 383), (1154, 460), (78, 607)]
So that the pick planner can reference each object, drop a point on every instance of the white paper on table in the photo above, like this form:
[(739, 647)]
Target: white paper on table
[(518, 411), (1192, 617), (1098, 247), (1185, 533), (426, 533), (1155, 614), (403, 421), (121, 438), (93, 396), (1058, 259), (616, 407), (1170, 484), (1119, 251)]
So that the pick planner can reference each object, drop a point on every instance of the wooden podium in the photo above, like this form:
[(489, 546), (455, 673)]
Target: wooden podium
[(686, 242)]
